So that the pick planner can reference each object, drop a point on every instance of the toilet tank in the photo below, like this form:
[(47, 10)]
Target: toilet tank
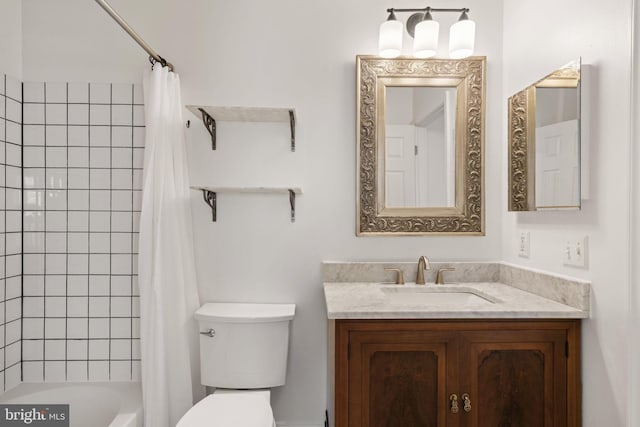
[(244, 346)]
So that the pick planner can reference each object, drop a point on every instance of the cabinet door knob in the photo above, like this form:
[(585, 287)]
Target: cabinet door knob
[(454, 403), (467, 402)]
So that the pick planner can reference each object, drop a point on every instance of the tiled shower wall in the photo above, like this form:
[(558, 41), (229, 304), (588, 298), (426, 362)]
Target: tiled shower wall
[(82, 176), (10, 230)]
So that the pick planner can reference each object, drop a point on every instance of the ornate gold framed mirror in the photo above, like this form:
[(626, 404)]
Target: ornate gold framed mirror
[(420, 146), (544, 143)]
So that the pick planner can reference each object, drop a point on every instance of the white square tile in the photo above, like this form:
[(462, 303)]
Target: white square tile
[(33, 91), (99, 264), (78, 178), (98, 306), (121, 222), (100, 200), (78, 114), (13, 134), (78, 136), (56, 157), (56, 92), (13, 311), (100, 93), (78, 157), (138, 115), (121, 136), (122, 115), (33, 221), (137, 201), (99, 115), (32, 349), (33, 114), (12, 332), (98, 285), (56, 200), (77, 370), (121, 179), (3, 111), (33, 135), (14, 287), (121, 285), (56, 178), (12, 354), (34, 200), (121, 349), (122, 93), (13, 155), (98, 349), (32, 328), (33, 156), (56, 263), (55, 328), (100, 136), (77, 328), (54, 372), (98, 370), (33, 177), (56, 135), (79, 221), (135, 370), (121, 157), (13, 177), (99, 243), (56, 114), (138, 158), (13, 88), (56, 285), (78, 285), (138, 136), (56, 242), (77, 349), (13, 110), (54, 349), (33, 285), (78, 263), (33, 307), (13, 242), (121, 264), (121, 200), (56, 221), (79, 92), (98, 328), (33, 242), (121, 243), (138, 96), (78, 199), (33, 372), (100, 157), (33, 264), (13, 199), (78, 307), (99, 221), (120, 370), (78, 243), (121, 306), (135, 349), (120, 328), (100, 179)]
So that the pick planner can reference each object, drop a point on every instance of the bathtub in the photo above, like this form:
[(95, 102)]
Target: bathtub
[(99, 404)]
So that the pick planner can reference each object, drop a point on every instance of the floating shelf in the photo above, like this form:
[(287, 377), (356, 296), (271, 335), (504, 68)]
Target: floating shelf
[(210, 195), (210, 115)]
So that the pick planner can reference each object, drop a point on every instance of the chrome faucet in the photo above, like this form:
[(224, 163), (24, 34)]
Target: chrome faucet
[(423, 264)]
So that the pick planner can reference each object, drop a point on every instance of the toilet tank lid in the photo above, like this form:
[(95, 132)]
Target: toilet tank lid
[(245, 312)]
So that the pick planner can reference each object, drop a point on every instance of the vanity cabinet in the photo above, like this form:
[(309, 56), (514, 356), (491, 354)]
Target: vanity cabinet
[(471, 373)]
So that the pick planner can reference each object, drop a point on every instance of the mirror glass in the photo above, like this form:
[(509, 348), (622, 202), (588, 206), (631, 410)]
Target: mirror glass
[(420, 146), (544, 143)]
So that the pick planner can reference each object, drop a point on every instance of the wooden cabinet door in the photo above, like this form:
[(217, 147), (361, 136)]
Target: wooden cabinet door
[(514, 378), (401, 378)]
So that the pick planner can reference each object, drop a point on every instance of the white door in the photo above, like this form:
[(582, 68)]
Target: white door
[(400, 176), (557, 165)]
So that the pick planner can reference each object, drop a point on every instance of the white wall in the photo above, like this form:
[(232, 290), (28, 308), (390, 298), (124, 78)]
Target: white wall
[(541, 36), (11, 38), (279, 53)]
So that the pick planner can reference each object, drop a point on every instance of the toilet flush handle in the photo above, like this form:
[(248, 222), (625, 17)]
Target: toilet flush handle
[(210, 333)]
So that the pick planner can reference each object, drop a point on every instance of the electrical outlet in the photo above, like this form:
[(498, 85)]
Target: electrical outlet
[(575, 252), (523, 244)]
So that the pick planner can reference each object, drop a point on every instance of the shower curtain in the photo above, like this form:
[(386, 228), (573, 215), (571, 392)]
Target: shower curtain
[(166, 270)]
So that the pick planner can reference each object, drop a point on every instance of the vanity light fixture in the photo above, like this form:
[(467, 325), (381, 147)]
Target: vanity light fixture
[(425, 31)]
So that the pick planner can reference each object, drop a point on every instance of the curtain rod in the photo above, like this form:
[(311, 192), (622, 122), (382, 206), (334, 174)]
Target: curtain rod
[(152, 53)]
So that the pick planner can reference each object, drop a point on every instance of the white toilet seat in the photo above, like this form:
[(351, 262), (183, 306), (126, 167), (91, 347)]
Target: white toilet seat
[(231, 408)]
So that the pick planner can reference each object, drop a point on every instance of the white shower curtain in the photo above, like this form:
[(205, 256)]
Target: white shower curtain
[(168, 289)]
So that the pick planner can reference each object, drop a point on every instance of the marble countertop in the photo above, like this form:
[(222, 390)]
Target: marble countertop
[(358, 300)]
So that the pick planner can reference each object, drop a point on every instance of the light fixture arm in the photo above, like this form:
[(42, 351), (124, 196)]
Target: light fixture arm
[(420, 14)]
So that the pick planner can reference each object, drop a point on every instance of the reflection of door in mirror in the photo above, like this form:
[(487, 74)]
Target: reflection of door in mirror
[(420, 146), (557, 148)]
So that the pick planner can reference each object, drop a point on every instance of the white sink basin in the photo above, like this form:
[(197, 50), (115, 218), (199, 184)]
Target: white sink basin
[(436, 296)]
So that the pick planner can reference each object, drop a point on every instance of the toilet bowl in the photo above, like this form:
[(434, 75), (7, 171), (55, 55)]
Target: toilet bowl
[(243, 353)]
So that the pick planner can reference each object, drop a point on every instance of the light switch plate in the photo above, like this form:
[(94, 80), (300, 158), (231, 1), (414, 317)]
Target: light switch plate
[(523, 244), (575, 252)]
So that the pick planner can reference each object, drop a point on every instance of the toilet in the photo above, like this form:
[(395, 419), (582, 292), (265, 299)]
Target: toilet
[(243, 353)]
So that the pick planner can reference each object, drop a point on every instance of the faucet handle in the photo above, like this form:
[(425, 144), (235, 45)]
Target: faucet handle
[(440, 275), (399, 275)]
